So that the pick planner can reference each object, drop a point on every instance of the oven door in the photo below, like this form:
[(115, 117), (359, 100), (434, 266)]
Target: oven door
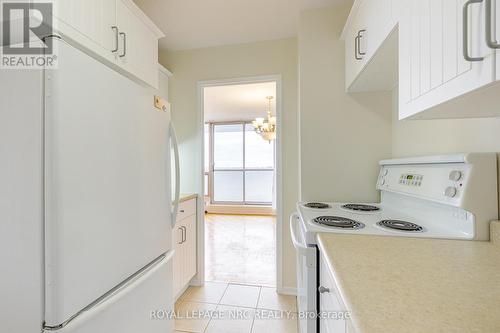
[(306, 277)]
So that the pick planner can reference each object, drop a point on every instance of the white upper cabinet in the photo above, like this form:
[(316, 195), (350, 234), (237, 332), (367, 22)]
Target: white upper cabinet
[(88, 21), (138, 43), (444, 55), (445, 60), (368, 28), (115, 30)]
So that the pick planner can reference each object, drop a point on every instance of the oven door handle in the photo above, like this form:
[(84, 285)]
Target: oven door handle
[(301, 248)]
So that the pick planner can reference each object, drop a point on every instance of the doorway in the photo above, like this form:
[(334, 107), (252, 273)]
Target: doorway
[(241, 233)]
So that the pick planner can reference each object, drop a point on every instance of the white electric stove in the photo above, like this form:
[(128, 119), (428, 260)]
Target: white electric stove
[(450, 197)]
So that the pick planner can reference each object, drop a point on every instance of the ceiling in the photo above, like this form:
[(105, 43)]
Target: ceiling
[(192, 24), (238, 102)]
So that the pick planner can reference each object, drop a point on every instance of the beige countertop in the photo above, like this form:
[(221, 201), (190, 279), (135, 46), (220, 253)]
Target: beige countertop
[(187, 196), (398, 284)]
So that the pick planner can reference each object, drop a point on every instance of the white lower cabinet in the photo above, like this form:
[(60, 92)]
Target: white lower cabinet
[(184, 240), (332, 311)]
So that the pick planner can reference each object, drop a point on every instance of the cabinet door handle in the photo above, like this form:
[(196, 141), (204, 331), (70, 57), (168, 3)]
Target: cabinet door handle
[(360, 34), (466, 31), (356, 47), (124, 35), (182, 235), (323, 290), (490, 39), (115, 29)]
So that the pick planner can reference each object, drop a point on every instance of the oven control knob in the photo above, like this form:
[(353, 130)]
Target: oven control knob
[(455, 175), (382, 181), (450, 192), (385, 172)]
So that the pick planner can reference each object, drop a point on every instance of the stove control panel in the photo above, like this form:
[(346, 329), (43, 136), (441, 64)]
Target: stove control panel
[(438, 185), (445, 182)]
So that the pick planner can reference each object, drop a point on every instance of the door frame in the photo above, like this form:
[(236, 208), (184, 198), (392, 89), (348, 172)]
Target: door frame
[(201, 85)]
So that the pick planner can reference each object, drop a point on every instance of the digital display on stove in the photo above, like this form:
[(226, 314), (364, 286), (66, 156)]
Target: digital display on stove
[(411, 180)]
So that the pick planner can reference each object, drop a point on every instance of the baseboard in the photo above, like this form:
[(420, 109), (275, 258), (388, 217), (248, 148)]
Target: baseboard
[(183, 290), (287, 291), (240, 210), (196, 283)]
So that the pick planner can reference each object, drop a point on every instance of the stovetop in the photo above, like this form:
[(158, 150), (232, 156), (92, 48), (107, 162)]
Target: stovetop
[(379, 219)]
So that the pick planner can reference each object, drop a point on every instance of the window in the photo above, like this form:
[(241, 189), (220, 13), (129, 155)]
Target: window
[(243, 166)]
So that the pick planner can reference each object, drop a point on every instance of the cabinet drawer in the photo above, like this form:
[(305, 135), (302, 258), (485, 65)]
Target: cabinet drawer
[(186, 209)]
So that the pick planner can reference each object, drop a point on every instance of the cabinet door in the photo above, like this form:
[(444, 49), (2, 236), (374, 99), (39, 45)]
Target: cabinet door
[(177, 237), (329, 303), (433, 68), (379, 23), (369, 27), (189, 249), (138, 45), (356, 44), (90, 20)]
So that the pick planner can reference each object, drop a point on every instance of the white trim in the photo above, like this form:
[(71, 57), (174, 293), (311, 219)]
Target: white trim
[(144, 18), (164, 70), (200, 278)]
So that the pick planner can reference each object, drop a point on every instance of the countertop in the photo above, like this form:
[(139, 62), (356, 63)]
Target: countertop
[(399, 284), (187, 196)]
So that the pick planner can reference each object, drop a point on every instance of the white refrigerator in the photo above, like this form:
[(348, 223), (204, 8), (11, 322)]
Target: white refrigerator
[(86, 202)]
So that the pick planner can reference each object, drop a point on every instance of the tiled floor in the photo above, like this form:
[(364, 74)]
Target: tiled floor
[(256, 310), (241, 249)]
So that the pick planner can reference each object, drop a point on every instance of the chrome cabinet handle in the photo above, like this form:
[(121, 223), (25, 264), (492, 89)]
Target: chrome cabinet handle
[(360, 34), (490, 39), (115, 29), (356, 47), (323, 290), (182, 235), (124, 35), (466, 31)]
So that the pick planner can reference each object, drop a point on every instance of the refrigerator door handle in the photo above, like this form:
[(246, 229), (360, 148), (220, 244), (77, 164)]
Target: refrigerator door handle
[(175, 145), (117, 292)]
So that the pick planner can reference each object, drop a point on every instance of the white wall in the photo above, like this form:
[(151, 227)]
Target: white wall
[(444, 136), (255, 59), (427, 137), (342, 136)]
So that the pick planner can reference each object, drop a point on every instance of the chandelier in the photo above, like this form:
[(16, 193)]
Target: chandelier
[(266, 128)]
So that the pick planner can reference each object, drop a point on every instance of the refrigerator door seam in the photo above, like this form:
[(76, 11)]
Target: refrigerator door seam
[(175, 144)]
